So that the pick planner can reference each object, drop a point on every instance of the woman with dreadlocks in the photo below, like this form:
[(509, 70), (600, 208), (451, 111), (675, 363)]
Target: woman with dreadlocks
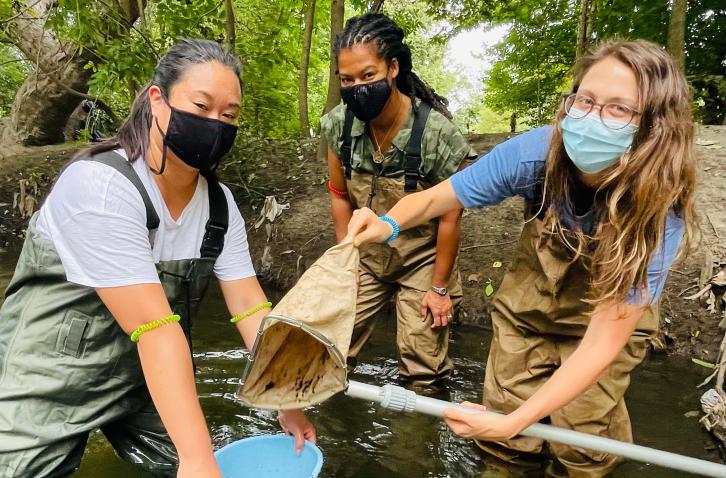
[(392, 135), (610, 194)]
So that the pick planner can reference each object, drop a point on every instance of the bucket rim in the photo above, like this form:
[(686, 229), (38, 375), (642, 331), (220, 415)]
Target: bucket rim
[(277, 437)]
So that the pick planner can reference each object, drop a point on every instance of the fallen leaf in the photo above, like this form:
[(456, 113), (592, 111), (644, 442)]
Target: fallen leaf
[(266, 261), (692, 414), (270, 210), (489, 289), (719, 279), (497, 265), (473, 278), (704, 142), (703, 363)]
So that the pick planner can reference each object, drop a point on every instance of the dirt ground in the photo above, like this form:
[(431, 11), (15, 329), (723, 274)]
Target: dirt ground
[(283, 248)]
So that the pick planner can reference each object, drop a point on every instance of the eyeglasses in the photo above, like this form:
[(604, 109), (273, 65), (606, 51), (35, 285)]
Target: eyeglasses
[(613, 115)]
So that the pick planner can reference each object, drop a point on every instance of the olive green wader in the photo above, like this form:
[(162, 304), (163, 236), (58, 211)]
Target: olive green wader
[(66, 366), (404, 268), (539, 318)]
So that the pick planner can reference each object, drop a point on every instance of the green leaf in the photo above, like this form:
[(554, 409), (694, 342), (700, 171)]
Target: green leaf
[(489, 289), (703, 363)]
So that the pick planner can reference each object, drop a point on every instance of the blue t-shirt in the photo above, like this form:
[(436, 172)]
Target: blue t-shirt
[(513, 168)]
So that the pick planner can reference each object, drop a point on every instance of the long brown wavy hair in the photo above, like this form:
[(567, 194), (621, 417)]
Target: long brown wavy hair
[(657, 175)]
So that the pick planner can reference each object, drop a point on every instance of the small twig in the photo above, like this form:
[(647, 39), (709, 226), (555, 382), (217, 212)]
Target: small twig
[(311, 240), (687, 289), (16, 60), (682, 273), (699, 293), (20, 13), (712, 226), (488, 245)]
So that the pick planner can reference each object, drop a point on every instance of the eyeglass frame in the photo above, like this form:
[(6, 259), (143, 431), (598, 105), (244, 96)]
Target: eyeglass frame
[(565, 98)]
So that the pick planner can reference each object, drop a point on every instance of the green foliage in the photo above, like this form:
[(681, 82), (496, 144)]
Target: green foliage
[(532, 67), (533, 62), (470, 13), (270, 44), (428, 45), (13, 70), (478, 118), (706, 57)]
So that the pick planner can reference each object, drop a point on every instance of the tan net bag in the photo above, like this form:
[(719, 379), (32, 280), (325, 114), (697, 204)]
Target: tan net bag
[(299, 357)]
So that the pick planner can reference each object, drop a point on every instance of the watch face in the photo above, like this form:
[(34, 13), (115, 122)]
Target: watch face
[(439, 290)]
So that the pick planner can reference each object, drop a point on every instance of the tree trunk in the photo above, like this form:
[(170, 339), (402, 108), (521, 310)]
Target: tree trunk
[(303, 96), (677, 33), (59, 82), (230, 25), (337, 14), (376, 6), (584, 28)]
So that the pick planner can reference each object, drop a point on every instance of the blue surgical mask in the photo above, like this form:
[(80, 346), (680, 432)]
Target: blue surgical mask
[(592, 146)]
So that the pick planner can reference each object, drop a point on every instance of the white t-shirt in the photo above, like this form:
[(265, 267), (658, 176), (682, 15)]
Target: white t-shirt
[(96, 220)]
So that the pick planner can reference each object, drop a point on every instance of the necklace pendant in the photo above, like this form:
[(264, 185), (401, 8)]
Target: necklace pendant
[(378, 157)]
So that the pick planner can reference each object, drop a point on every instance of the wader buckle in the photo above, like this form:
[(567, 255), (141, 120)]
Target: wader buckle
[(213, 241)]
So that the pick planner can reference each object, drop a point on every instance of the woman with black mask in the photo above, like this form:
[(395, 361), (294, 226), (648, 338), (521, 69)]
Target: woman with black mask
[(393, 136), (95, 327)]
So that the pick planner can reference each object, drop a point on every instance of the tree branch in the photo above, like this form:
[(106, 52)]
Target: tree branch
[(230, 24), (99, 102), (20, 13), (376, 6)]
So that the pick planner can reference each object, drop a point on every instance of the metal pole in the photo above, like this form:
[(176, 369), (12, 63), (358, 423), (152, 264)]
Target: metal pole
[(399, 399)]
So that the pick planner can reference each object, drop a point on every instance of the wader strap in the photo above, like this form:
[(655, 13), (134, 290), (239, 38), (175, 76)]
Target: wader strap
[(216, 226), (346, 148), (117, 162), (412, 153)]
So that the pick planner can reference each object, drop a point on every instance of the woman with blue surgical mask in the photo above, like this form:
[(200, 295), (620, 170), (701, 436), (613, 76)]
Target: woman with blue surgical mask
[(609, 188)]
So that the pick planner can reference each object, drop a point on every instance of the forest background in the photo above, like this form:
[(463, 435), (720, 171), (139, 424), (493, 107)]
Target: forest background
[(70, 68)]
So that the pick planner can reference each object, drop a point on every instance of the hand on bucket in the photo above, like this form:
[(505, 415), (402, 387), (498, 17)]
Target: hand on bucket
[(295, 423), (365, 227), (480, 425)]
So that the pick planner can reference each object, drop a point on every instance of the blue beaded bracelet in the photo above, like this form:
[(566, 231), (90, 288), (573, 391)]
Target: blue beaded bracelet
[(394, 225)]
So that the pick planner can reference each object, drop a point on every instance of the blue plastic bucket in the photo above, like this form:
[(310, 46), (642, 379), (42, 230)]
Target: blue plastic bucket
[(269, 456)]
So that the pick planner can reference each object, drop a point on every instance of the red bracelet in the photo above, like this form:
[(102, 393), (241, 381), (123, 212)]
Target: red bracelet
[(337, 192)]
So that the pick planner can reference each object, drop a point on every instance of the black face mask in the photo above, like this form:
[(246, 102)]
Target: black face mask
[(366, 100), (198, 141)]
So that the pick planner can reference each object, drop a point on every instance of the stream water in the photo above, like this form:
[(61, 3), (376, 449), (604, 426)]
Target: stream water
[(359, 439)]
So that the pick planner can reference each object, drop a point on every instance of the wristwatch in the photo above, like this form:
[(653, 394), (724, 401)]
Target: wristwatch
[(440, 290)]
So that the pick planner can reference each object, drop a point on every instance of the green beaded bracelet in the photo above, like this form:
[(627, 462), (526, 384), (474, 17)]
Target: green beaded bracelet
[(238, 317), (152, 325)]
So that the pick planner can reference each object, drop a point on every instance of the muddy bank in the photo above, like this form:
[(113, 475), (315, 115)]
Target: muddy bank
[(283, 248)]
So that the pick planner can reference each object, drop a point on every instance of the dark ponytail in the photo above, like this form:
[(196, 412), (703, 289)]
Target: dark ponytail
[(388, 36), (133, 135)]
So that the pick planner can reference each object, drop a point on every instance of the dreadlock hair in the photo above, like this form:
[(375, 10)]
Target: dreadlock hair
[(388, 36)]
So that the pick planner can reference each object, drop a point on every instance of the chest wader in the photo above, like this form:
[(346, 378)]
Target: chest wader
[(402, 269), (538, 320), (66, 366)]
